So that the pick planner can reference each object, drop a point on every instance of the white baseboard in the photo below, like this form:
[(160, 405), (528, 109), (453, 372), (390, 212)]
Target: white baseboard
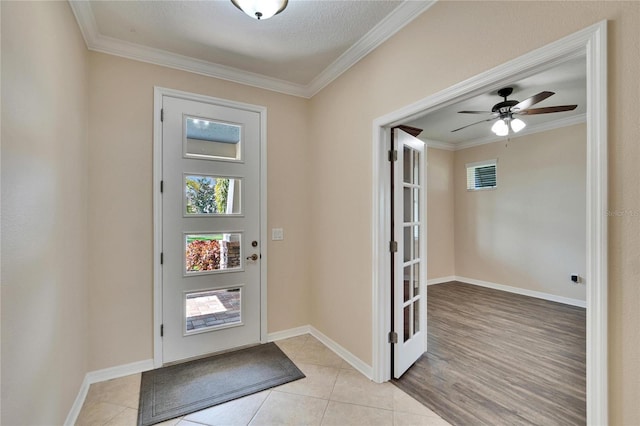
[(285, 334), (441, 280), (339, 350), (523, 291), (100, 376)]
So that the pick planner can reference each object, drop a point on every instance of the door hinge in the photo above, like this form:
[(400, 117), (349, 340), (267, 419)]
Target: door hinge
[(393, 246), (161, 330), (161, 186), (393, 337), (393, 155), (161, 114), (161, 258)]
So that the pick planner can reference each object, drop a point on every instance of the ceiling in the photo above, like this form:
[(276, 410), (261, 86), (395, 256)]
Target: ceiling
[(568, 80), (298, 52)]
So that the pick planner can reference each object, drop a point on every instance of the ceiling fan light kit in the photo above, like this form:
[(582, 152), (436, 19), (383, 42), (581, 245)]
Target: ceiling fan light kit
[(504, 112), (261, 9)]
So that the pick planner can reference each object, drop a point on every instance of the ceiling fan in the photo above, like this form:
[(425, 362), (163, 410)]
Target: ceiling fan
[(505, 111)]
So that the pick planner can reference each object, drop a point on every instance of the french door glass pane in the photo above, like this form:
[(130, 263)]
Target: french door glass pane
[(212, 252), (407, 322), (406, 166), (407, 283), (416, 279), (416, 316)]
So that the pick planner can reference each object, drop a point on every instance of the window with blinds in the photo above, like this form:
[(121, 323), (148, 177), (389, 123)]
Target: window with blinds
[(481, 175)]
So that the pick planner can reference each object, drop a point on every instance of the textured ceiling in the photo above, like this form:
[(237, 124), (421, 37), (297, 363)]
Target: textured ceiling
[(297, 51)]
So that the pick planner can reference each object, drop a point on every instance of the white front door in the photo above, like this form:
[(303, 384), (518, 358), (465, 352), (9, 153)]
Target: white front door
[(409, 261), (210, 228)]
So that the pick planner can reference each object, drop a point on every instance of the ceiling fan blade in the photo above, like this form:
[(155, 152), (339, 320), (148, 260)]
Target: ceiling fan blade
[(547, 110), (529, 102), (472, 124), (477, 112)]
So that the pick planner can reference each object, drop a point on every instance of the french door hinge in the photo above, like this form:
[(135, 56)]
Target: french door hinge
[(393, 337), (161, 114), (161, 258), (161, 186), (393, 155), (161, 330), (393, 246)]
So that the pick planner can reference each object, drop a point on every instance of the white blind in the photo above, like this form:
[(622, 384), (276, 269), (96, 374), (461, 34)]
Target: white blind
[(482, 175)]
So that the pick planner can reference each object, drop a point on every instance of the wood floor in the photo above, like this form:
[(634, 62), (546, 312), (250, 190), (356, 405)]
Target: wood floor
[(496, 358)]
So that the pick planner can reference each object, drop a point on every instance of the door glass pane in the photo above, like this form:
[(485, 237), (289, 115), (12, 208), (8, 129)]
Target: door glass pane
[(407, 322), (407, 283), (211, 252), (407, 205), (406, 159), (416, 205), (416, 167), (211, 195), (213, 309), (407, 243), (416, 279), (211, 140), (416, 316), (416, 242)]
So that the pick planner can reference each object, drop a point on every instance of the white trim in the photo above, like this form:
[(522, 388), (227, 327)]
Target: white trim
[(394, 22), (286, 334), (101, 376), (441, 280), (339, 350), (158, 93), (523, 291), (592, 42), (491, 138)]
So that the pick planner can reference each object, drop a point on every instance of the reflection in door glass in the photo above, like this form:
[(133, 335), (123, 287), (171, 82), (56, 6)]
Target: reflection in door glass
[(211, 252), (208, 139), (211, 195), (212, 309)]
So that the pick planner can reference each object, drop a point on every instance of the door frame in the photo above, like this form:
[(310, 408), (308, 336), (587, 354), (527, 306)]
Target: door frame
[(158, 93), (591, 43)]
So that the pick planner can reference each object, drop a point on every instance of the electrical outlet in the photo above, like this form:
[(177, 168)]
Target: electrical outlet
[(576, 278)]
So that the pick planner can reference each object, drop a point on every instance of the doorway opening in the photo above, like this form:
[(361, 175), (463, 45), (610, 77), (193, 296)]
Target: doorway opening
[(589, 43)]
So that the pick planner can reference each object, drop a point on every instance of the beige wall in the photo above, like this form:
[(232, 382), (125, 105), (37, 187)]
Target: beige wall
[(120, 206), (449, 43), (440, 214), (530, 231), (44, 212)]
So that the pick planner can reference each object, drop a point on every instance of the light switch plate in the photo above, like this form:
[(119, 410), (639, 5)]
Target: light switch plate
[(277, 234)]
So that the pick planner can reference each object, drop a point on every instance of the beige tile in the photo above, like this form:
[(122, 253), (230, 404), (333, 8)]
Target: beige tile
[(408, 419), (97, 413), (352, 387), (124, 391), (314, 352), (318, 383), (128, 417), (171, 422), (288, 409), (293, 344), (405, 403), (185, 423), (237, 412), (346, 366), (341, 414)]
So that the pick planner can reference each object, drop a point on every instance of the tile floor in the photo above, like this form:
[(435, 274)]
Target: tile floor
[(333, 393)]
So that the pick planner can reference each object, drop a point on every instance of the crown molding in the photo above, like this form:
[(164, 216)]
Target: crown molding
[(529, 130), (385, 29), (391, 24)]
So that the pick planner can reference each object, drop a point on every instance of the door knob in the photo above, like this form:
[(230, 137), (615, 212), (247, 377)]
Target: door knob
[(253, 257)]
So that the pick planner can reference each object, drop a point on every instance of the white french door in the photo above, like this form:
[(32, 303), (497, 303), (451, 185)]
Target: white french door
[(409, 261), (211, 244)]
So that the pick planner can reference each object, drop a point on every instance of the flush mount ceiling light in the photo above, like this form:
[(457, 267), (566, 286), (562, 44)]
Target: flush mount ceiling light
[(504, 112), (260, 9)]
